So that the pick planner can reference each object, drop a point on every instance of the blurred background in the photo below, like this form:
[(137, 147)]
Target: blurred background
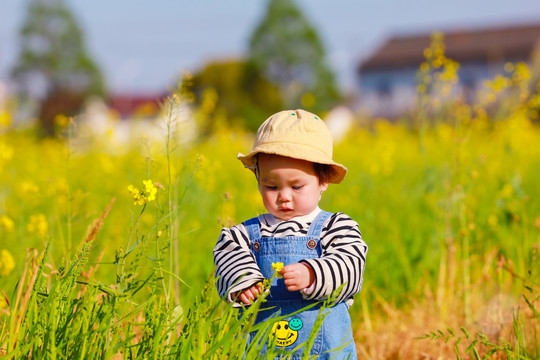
[(132, 53)]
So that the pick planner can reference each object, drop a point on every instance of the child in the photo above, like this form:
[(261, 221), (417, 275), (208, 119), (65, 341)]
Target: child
[(292, 161)]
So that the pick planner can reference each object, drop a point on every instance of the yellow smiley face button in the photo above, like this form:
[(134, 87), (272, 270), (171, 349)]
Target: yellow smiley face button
[(286, 332)]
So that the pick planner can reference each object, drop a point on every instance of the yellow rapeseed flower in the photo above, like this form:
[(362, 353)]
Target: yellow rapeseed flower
[(61, 120), (137, 195), (451, 71), (277, 267), (27, 187), (150, 190), (7, 263), (507, 191), (6, 151), (5, 118), (438, 62), (6, 223), (38, 224), (144, 195), (521, 73), (3, 302), (499, 83)]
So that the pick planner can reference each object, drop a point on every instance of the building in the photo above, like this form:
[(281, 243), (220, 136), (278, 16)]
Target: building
[(136, 105), (387, 78)]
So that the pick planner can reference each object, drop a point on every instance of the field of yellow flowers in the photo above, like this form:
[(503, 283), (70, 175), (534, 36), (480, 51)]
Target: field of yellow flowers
[(106, 248)]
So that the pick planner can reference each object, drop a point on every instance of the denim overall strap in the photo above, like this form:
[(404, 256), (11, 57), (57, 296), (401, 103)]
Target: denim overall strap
[(252, 227), (317, 224)]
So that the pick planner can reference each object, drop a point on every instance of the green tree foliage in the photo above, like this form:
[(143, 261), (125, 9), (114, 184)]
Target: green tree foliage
[(232, 92), (286, 49), (54, 66)]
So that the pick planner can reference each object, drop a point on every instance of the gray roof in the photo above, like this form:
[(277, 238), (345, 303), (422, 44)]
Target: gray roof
[(509, 43)]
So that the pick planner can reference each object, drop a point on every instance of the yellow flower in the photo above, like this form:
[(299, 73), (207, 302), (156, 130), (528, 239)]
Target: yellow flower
[(150, 190), (5, 118), (506, 191), (3, 302), (61, 120), (6, 151), (522, 72), (7, 263), (147, 194), (499, 83), (27, 187), (38, 224), (6, 223), (277, 267), (137, 195)]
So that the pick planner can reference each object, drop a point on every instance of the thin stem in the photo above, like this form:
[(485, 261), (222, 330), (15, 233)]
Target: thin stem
[(69, 195), (172, 214)]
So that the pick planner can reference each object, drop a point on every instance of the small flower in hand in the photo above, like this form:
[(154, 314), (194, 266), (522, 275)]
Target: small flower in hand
[(277, 267)]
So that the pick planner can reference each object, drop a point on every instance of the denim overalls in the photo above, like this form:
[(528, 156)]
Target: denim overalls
[(336, 329)]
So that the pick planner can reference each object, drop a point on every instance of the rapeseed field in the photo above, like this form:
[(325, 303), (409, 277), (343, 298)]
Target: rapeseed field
[(106, 245)]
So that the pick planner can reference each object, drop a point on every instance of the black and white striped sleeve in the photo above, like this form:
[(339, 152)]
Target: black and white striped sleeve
[(342, 261), (236, 267)]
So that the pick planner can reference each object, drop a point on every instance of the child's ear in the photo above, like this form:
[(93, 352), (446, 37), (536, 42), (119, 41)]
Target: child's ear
[(323, 186)]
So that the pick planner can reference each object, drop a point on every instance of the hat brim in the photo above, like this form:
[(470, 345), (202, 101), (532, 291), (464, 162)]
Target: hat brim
[(295, 151)]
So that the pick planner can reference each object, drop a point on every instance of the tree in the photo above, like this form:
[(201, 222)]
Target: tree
[(232, 92), (54, 66), (286, 49)]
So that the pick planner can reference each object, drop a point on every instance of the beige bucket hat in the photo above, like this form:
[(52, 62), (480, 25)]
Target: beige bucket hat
[(297, 134)]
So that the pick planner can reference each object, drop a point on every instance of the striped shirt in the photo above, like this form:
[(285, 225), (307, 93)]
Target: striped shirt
[(342, 260)]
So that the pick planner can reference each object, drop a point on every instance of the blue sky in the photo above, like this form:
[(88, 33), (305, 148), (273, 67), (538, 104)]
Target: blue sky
[(142, 45)]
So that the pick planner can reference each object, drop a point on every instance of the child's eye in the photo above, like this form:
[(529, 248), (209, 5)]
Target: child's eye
[(270, 187), (298, 187)]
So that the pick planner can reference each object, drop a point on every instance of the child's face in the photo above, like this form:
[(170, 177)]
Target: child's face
[(289, 187)]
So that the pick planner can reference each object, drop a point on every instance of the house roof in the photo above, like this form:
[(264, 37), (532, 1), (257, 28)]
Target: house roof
[(509, 43), (128, 104)]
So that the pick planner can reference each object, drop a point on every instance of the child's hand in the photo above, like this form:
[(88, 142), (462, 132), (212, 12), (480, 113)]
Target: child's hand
[(250, 294), (298, 276)]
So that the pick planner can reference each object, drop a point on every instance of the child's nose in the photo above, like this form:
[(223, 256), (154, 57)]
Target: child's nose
[(284, 196)]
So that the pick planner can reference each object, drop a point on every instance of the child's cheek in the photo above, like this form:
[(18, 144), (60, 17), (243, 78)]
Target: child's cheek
[(267, 199)]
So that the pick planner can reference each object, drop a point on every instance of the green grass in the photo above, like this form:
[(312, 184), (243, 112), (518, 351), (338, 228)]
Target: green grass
[(450, 211)]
